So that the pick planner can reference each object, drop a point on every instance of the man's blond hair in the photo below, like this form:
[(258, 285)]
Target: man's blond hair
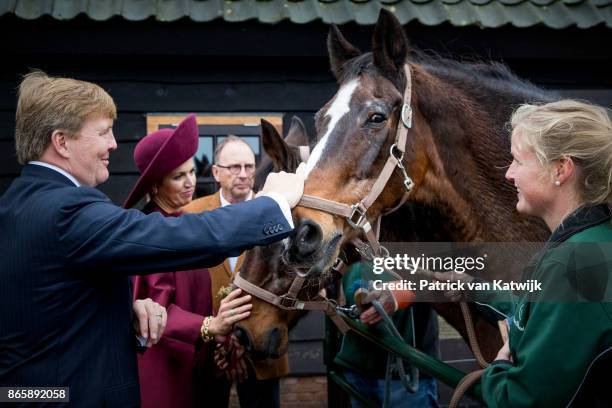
[(50, 103)]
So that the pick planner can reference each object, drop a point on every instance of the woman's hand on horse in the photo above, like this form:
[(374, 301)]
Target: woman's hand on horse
[(232, 309)]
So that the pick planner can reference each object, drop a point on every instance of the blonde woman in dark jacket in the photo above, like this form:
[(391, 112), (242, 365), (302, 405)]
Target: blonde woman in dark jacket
[(561, 339)]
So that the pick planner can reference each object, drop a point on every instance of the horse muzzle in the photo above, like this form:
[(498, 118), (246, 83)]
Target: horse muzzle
[(308, 252), (305, 242), (271, 347)]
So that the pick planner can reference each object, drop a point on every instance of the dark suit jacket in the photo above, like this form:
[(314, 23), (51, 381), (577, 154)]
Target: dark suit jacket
[(65, 256)]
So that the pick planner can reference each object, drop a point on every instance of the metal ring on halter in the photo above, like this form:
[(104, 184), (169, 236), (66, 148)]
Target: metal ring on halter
[(398, 159), (383, 252)]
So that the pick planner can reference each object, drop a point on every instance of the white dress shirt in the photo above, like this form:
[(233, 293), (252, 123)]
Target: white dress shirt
[(59, 170)]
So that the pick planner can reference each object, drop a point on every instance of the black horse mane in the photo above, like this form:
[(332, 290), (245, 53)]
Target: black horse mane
[(481, 96), (467, 74)]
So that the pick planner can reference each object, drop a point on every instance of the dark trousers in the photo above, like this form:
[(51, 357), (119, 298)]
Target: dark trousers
[(254, 393), (213, 392)]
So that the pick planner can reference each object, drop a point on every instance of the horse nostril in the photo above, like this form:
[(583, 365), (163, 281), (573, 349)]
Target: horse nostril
[(307, 240), (274, 340), (242, 336)]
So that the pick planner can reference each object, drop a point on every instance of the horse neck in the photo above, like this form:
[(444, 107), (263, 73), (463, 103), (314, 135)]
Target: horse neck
[(468, 153)]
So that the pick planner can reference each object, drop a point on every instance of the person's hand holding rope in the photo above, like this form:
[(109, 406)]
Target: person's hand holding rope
[(390, 300)]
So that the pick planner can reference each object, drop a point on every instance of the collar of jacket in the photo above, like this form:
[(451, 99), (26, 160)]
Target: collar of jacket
[(582, 218), (33, 170)]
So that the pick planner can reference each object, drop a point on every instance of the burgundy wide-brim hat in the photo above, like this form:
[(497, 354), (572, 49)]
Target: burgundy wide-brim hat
[(160, 152)]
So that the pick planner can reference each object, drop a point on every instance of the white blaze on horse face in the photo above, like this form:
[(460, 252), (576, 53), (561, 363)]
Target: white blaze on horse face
[(336, 111)]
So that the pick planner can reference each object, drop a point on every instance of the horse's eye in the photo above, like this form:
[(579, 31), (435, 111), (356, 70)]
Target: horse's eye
[(377, 118)]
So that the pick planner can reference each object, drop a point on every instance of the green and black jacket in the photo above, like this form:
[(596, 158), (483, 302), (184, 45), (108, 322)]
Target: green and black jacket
[(561, 339)]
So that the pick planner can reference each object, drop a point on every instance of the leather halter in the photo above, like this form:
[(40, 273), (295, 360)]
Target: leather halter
[(290, 302), (356, 217)]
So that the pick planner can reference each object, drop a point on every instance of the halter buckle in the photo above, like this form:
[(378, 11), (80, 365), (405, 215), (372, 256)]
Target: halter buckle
[(407, 115), (289, 303), (357, 215)]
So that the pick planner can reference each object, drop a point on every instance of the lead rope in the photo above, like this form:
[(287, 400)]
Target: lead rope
[(472, 378), (411, 381), (471, 332)]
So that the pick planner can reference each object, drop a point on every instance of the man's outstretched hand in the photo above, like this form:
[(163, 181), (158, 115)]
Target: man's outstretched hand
[(289, 185)]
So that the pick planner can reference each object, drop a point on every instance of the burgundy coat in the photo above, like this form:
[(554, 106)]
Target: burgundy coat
[(165, 370)]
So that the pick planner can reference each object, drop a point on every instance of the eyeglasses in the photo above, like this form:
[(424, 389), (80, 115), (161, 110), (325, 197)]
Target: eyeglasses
[(236, 168)]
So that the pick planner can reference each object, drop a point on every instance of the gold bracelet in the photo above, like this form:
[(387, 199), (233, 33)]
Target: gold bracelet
[(206, 336)]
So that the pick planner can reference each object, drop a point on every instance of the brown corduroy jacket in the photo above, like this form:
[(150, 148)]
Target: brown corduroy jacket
[(220, 276)]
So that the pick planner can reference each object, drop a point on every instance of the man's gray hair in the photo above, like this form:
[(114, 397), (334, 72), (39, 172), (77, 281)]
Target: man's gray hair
[(226, 141)]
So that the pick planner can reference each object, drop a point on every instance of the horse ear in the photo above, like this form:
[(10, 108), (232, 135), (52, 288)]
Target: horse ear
[(297, 135), (282, 156), (389, 45), (340, 51)]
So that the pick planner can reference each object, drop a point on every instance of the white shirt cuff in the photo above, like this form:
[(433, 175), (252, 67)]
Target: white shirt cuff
[(283, 204)]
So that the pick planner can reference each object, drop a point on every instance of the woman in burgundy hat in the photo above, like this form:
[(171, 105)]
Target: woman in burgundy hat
[(165, 161)]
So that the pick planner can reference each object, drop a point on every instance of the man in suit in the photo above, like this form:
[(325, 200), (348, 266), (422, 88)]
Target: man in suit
[(234, 169), (66, 250)]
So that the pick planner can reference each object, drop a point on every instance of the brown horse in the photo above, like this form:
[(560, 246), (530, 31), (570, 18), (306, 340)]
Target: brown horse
[(456, 153)]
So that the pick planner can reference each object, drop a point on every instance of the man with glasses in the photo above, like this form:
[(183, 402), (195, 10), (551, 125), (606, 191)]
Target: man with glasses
[(234, 170)]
